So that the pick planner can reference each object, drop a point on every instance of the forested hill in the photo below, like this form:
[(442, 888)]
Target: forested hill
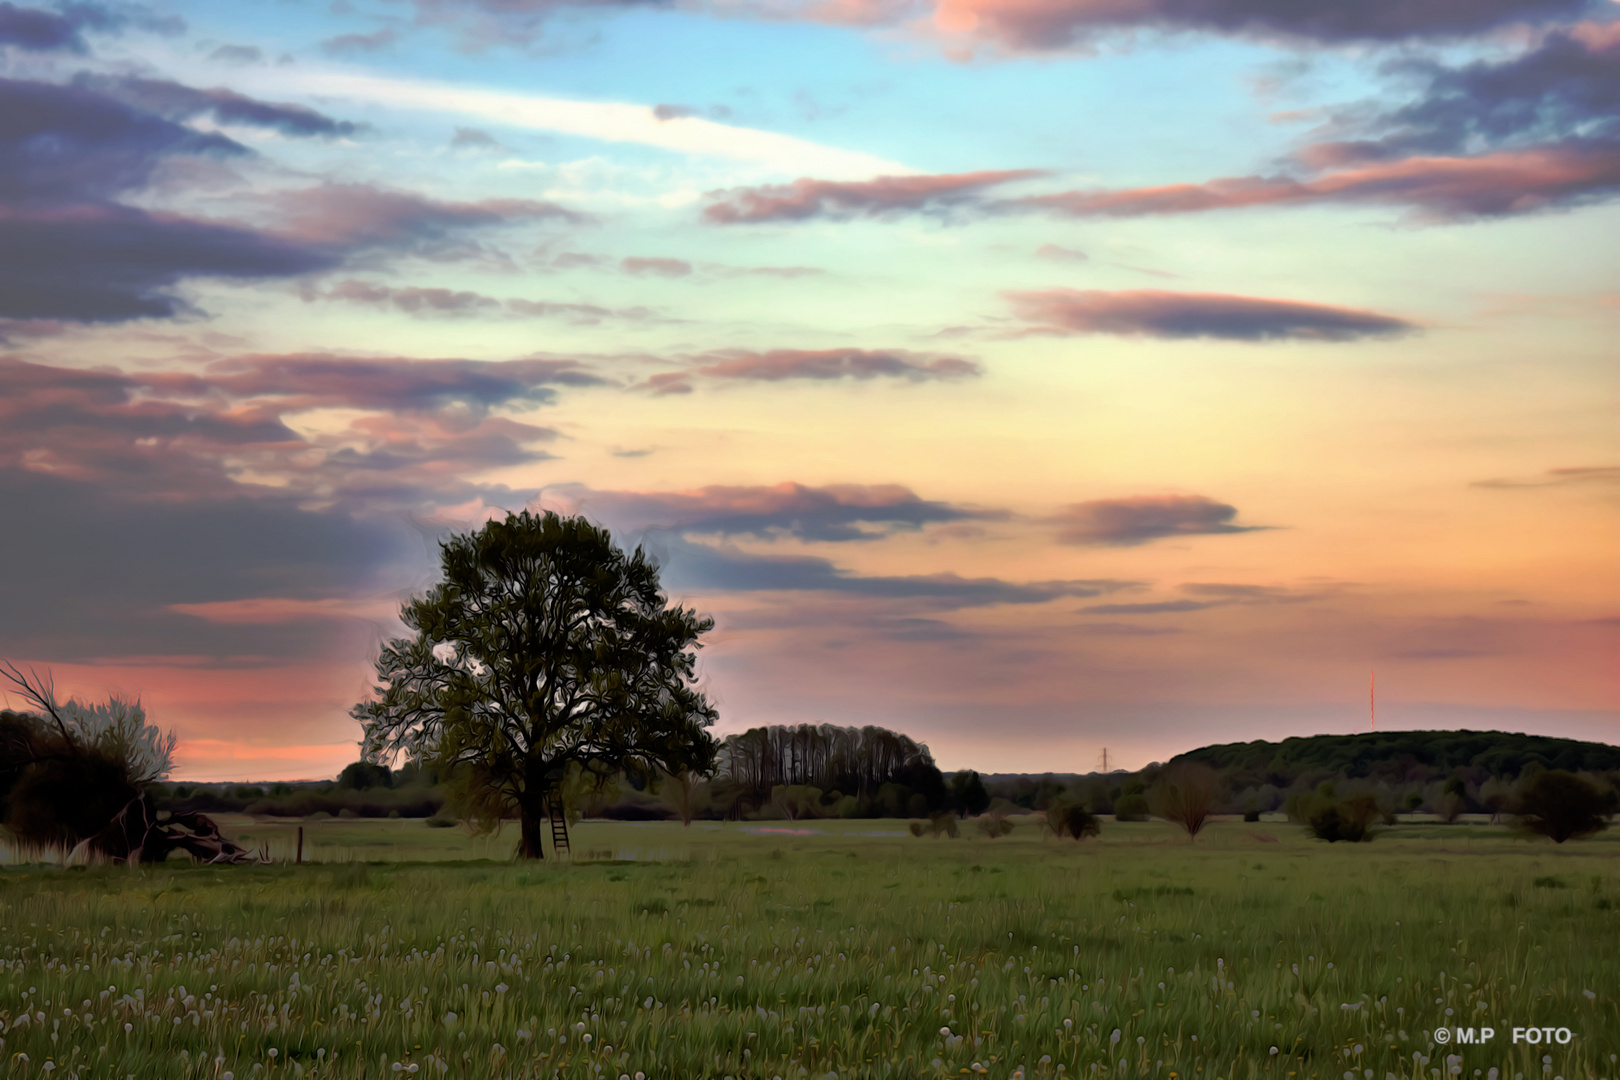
[(1395, 753)]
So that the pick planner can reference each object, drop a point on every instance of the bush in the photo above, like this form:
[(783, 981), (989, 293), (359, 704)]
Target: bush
[(439, 821), (1562, 806), (1347, 819), (994, 825), (64, 779), (1071, 819), (937, 825)]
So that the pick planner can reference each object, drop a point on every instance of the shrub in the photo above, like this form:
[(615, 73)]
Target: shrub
[(1561, 805), (1071, 819), (1186, 794), (66, 774), (440, 821), (994, 825), (1343, 819)]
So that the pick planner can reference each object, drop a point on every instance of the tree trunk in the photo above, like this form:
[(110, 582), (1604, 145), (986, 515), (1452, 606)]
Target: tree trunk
[(532, 817)]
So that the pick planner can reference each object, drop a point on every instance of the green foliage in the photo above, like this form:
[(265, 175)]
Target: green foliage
[(1332, 818), (360, 775), (884, 770), (1132, 807), (546, 655), (1072, 819), (994, 825), (1495, 753), (967, 794), (1562, 806), (937, 825), (63, 799)]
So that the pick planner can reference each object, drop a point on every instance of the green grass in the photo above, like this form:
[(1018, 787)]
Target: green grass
[(716, 951)]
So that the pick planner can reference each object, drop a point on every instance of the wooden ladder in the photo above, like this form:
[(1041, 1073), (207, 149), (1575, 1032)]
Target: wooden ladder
[(559, 830)]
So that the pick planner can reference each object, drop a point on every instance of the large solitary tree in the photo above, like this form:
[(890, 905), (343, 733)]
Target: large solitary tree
[(546, 651)]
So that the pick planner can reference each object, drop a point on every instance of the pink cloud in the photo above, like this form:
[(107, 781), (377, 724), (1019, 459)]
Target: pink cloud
[(415, 300), (1048, 25), (357, 215), (1506, 182), (834, 512), (777, 365), (1139, 519), (656, 266), (807, 198), (1152, 313)]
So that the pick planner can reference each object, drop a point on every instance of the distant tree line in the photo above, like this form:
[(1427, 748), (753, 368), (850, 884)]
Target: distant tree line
[(859, 772), (821, 771), (363, 789), (1404, 756)]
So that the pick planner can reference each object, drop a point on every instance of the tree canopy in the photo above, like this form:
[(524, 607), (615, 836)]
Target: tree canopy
[(1498, 753), (545, 652)]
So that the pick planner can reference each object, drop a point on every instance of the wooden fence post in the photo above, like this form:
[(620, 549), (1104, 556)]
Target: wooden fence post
[(300, 843)]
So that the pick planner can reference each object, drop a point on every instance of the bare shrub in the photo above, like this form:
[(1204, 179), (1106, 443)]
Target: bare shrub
[(1187, 793), (994, 825)]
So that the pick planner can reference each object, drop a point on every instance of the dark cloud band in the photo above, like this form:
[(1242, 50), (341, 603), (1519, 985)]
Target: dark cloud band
[(1139, 519), (1151, 313)]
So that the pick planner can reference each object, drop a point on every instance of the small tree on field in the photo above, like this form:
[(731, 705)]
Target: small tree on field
[(968, 796), (1454, 799), (546, 653), (1496, 795), (1562, 805), (1186, 793), (1071, 819), (686, 793)]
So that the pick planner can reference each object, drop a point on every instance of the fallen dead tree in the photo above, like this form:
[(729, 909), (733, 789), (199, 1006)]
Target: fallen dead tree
[(137, 835)]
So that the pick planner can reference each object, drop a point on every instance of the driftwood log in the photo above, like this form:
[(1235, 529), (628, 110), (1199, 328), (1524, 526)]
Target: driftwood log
[(135, 835)]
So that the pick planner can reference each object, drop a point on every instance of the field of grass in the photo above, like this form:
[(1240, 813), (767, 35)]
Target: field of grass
[(851, 949)]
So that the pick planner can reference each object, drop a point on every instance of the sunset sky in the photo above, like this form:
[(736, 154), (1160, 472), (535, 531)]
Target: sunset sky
[(1030, 376)]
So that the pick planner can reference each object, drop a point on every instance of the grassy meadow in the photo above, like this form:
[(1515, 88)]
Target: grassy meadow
[(833, 948)]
